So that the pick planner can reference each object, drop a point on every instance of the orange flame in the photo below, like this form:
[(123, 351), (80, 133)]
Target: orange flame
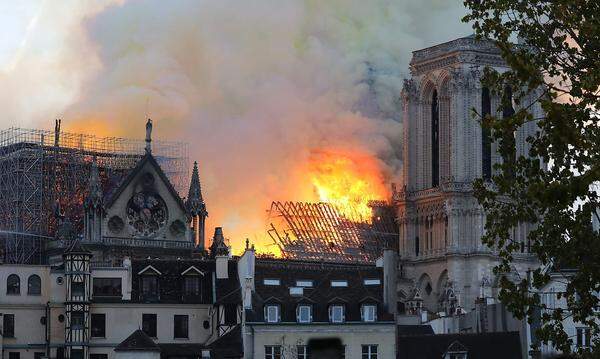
[(348, 180)]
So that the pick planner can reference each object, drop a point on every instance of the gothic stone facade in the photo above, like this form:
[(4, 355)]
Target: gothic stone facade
[(444, 151)]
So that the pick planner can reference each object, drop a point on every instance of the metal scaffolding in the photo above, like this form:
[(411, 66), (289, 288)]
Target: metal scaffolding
[(43, 171), (318, 231)]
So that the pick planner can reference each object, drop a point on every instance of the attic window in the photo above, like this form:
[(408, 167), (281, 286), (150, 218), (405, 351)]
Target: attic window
[(296, 291), (271, 282), (304, 283), (372, 281), (339, 283)]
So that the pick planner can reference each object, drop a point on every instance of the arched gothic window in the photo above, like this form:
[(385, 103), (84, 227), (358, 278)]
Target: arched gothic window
[(510, 142), (13, 284), (486, 144), (435, 140), (34, 285)]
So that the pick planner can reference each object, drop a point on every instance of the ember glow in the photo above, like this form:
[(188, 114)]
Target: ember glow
[(348, 181)]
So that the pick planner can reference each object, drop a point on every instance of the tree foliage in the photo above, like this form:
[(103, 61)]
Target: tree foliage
[(553, 51)]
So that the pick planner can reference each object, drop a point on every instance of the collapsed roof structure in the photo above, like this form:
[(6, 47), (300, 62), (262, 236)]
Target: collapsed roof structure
[(320, 231)]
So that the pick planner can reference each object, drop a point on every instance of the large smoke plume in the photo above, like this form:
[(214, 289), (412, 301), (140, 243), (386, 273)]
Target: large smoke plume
[(255, 87)]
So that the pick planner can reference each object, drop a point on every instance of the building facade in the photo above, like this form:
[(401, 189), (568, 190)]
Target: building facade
[(291, 304), (445, 150), (189, 307)]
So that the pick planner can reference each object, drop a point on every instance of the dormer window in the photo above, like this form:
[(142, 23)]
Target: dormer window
[(339, 283), (456, 356), (368, 312), (272, 314), (304, 313), (456, 351), (271, 282), (336, 313), (149, 287), (191, 285), (192, 281)]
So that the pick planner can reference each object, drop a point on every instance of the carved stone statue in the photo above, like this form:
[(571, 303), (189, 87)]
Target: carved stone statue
[(149, 136)]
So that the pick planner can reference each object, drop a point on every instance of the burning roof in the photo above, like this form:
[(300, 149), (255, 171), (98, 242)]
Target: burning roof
[(319, 231)]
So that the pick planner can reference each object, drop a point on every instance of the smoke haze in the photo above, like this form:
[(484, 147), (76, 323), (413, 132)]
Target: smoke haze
[(256, 87)]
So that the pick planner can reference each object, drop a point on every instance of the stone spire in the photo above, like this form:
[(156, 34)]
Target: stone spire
[(197, 208), (195, 203)]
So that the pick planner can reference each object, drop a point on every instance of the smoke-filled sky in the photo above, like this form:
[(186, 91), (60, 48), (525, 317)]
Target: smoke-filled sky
[(260, 89)]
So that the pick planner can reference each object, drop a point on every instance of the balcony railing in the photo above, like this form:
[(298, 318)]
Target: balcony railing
[(129, 242)]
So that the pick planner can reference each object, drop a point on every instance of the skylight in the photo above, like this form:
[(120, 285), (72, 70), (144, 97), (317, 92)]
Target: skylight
[(339, 283), (372, 281), (304, 283), (271, 282), (296, 291)]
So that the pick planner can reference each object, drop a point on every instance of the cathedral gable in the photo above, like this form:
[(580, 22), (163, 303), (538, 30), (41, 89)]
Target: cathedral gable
[(146, 206)]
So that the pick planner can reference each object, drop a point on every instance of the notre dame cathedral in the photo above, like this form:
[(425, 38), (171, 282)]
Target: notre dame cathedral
[(444, 265)]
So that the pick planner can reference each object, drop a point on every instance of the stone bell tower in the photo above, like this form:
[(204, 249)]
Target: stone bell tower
[(444, 151)]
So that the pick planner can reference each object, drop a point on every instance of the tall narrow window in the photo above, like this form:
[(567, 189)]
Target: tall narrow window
[(98, 325), (272, 313), (486, 143), (13, 285), (304, 313), (435, 140), (368, 312), (417, 237), (336, 313), (34, 285), (149, 324), (8, 325), (583, 337), (509, 141), (417, 246), (445, 231), (77, 320), (180, 326)]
